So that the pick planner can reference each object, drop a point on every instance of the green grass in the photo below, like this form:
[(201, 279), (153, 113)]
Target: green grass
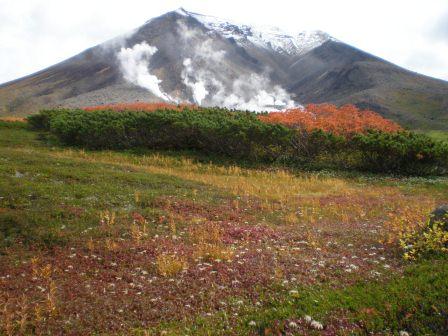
[(414, 301), (437, 135), (426, 112), (39, 190)]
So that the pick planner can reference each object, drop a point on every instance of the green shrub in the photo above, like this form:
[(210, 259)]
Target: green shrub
[(402, 153), (431, 241), (41, 121), (241, 135), (234, 134)]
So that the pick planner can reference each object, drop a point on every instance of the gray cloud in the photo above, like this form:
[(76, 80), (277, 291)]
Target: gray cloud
[(440, 31)]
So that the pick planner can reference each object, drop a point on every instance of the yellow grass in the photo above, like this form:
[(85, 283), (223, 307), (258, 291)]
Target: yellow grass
[(12, 119), (297, 196), (169, 265), (209, 252), (277, 185)]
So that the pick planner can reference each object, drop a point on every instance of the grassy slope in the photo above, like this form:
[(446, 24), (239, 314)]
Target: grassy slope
[(50, 197), (426, 111), (437, 135), (46, 179)]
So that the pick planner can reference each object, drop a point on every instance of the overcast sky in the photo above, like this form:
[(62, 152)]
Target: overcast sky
[(35, 34)]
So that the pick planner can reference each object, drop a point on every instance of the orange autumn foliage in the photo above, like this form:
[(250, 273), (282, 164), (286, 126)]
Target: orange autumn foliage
[(13, 119), (344, 120), (138, 106)]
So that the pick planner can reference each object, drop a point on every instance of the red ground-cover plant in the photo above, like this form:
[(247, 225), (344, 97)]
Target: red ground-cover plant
[(138, 106), (344, 120)]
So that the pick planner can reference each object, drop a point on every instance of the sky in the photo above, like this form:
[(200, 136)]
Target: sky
[(35, 34)]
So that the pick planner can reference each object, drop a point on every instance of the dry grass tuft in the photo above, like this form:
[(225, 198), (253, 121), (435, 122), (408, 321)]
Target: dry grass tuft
[(139, 227), (210, 252), (207, 239), (107, 218), (169, 265)]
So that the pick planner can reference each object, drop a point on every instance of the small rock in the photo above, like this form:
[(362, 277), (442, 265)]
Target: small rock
[(440, 215)]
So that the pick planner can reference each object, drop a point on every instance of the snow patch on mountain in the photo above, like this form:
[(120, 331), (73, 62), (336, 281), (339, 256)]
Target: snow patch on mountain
[(265, 37)]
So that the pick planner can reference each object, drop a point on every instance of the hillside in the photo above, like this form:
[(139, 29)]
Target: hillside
[(187, 57), (338, 73)]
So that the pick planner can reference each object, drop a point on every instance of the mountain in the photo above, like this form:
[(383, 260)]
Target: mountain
[(187, 57)]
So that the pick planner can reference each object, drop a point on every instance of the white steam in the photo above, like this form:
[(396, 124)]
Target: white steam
[(197, 87), (134, 64), (254, 93), (215, 81)]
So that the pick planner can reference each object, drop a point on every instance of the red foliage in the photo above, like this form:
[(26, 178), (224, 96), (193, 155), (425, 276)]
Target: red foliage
[(344, 120), (138, 106)]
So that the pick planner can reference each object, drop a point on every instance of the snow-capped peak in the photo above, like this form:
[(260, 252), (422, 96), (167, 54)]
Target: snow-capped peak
[(182, 11), (265, 37)]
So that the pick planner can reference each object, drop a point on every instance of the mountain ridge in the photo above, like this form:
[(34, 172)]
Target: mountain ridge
[(189, 57)]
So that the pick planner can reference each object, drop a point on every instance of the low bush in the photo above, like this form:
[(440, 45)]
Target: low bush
[(404, 152), (413, 230), (345, 120), (41, 121), (234, 134), (432, 240), (243, 136)]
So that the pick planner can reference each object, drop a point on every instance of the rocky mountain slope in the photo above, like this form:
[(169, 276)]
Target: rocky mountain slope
[(187, 57)]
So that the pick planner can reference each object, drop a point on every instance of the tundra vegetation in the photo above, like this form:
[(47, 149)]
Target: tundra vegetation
[(194, 221)]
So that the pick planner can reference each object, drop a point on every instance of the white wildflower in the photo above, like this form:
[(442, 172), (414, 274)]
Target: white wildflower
[(252, 323), (316, 325), (292, 324)]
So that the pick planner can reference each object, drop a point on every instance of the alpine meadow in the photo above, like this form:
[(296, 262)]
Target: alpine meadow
[(199, 176)]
